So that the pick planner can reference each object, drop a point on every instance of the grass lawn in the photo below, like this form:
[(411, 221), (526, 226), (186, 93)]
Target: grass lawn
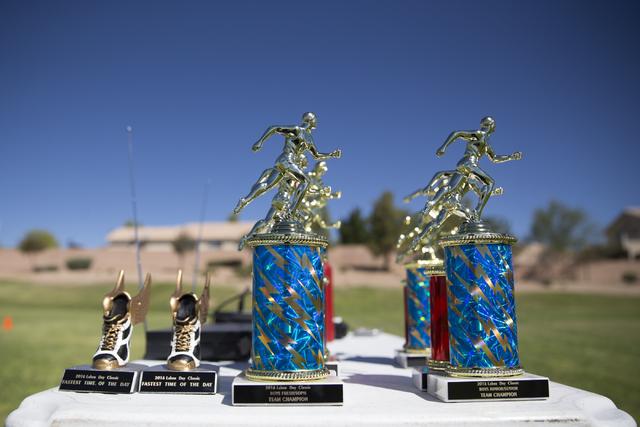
[(589, 342)]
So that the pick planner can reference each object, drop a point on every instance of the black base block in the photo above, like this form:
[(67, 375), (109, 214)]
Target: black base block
[(287, 393), (159, 379), (409, 360), (218, 341), (85, 378), (523, 387)]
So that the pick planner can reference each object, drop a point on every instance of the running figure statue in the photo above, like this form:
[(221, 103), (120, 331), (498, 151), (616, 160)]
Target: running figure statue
[(478, 144), (316, 199), (298, 140), (447, 188)]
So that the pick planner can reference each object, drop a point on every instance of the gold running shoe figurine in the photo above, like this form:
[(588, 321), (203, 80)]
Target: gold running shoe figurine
[(121, 313), (189, 313)]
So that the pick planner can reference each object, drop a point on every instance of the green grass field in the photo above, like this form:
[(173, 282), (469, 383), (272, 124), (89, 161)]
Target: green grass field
[(589, 342)]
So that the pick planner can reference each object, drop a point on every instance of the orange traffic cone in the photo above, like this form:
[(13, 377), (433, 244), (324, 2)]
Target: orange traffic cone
[(7, 323)]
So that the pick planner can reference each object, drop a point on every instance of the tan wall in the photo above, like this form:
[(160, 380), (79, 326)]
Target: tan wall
[(352, 265)]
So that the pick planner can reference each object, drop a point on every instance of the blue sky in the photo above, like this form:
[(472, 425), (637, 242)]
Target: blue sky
[(199, 82)]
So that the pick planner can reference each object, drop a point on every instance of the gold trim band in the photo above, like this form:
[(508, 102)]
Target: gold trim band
[(431, 267), (288, 239), (417, 350), (506, 371), (313, 375), (437, 365), (482, 239)]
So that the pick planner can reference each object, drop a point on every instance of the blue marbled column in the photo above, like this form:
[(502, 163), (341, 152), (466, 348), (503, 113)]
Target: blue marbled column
[(418, 313), (288, 314), (482, 309)]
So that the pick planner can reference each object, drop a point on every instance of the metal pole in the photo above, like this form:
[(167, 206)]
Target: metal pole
[(207, 183), (135, 215)]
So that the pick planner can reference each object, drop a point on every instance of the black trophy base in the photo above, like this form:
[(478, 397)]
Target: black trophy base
[(409, 360), (333, 365), (87, 379), (159, 379), (522, 387), (291, 393), (419, 377)]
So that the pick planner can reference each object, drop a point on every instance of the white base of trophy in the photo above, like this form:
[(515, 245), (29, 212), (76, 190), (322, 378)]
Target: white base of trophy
[(409, 360), (419, 377), (327, 392), (159, 379), (333, 365), (522, 387), (85, 378)]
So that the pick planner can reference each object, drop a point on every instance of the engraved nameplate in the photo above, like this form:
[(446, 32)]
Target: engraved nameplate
[(159, 379), (523, 387), (324, 392), (84, 378)]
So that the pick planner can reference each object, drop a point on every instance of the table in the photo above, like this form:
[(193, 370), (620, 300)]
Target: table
[(376, 393)]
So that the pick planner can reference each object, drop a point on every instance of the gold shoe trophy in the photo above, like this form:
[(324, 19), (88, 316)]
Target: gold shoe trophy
[(189, 313), (109, 372), (288, 297), (183, 373)]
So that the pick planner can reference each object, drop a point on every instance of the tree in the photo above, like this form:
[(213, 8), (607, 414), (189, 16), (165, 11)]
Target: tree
[(182, 244), (561, 228), (498, 224), (386, 224), (36, 241), (354, 229)]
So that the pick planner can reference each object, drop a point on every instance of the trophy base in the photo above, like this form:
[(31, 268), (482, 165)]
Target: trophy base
[(160, 379), (333, 366), (406, 359), (87, 379), (246, 392), (420, 376), (524, 387), (461, 372)]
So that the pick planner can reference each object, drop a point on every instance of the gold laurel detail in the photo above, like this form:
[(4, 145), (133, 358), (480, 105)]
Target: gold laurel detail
[(313, 375), (437, 365), (480, 238), (433, 267), (509, 371), (290, 239), (423, 263)]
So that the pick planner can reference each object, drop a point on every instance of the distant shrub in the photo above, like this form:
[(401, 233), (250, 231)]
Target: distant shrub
[(629, 277), (244, 270), (223, 263), (45, 268), (79, 263)]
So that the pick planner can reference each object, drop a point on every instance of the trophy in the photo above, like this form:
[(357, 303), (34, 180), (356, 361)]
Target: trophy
[(311, 212), (121, 312), (288, 299), (422, 275), (183, 373), (189, 313), (483, 339), (109, 372)]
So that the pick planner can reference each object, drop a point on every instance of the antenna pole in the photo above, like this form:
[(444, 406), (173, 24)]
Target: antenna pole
[(135, 215), (207, 183)]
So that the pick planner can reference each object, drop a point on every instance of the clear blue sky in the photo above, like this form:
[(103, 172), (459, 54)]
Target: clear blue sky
[(200, 81)]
